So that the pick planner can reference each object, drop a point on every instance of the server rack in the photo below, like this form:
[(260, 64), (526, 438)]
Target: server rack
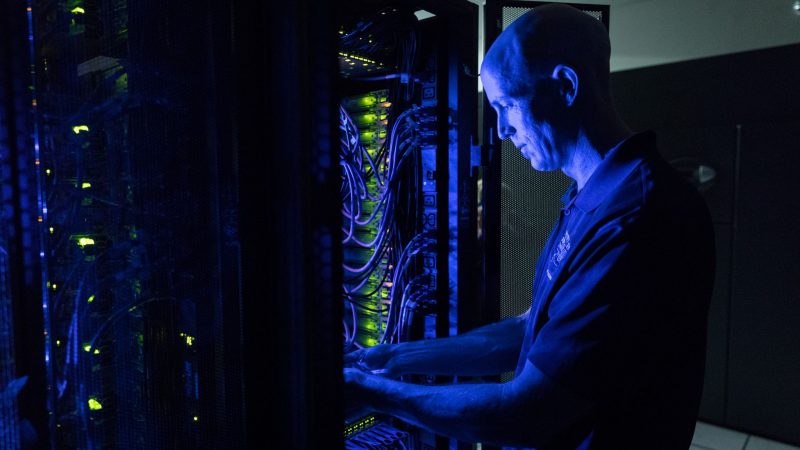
[(408, 121), (188, 273), (22, 399), (128, 318)]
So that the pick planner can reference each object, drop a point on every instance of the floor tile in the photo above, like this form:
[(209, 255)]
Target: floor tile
[(716, 438), (757, 443)]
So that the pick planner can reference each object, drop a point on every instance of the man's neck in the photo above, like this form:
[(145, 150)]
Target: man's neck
[(589, 150)]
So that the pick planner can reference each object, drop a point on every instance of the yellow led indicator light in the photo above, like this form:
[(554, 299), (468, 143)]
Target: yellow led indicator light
[(78, 128), (90, 299), (58, 342), (54, 286), (78, 10), (189, 339), (195, 418), (357, 58), (96, 351), (86, 185), (52, 230), (87, 347), (47, 171), (94, 405), (84, 241)]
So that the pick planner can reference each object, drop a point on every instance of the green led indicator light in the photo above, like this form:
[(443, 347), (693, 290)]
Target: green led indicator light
[(84, 241), (189, 339), (94, 405)]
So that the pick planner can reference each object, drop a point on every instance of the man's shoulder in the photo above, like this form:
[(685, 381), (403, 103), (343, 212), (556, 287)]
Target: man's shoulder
[(655, 186)]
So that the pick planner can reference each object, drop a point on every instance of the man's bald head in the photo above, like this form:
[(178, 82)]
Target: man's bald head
[(545, 37)]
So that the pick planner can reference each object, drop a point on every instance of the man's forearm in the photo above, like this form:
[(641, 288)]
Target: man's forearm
[(488, 350), (464, 412), (525, 412)]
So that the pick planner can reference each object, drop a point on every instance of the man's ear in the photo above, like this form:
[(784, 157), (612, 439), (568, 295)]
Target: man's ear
[(567, 81)]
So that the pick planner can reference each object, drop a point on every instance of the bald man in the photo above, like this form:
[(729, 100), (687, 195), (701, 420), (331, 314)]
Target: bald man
[(611, 354)]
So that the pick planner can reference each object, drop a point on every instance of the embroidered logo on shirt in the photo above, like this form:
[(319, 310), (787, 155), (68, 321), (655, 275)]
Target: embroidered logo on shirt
[(558, 255)]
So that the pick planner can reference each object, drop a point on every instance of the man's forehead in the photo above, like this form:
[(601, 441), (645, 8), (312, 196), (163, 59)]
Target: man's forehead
[(503, 83)]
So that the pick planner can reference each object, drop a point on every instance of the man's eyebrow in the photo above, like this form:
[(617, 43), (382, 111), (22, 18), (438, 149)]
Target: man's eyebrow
[(496, 102)]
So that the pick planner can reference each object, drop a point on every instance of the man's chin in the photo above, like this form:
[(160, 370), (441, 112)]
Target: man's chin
[(540, 166)]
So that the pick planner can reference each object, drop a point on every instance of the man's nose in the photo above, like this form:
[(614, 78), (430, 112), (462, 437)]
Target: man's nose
[(504, 130)]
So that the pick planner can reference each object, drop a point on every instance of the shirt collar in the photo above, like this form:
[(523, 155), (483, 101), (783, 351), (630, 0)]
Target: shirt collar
[(615, 167)]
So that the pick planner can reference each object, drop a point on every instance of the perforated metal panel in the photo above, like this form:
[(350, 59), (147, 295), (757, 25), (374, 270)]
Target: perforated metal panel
[(529, 203), (512, 13)]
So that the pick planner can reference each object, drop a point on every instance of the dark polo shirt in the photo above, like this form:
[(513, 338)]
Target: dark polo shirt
[(620, 302)]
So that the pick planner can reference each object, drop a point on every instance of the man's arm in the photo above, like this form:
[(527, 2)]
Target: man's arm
[(527, 411), (488, 350)]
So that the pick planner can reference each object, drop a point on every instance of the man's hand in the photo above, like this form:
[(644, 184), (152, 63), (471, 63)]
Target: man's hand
[(355, 397), (377, 360), (488, 350)]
